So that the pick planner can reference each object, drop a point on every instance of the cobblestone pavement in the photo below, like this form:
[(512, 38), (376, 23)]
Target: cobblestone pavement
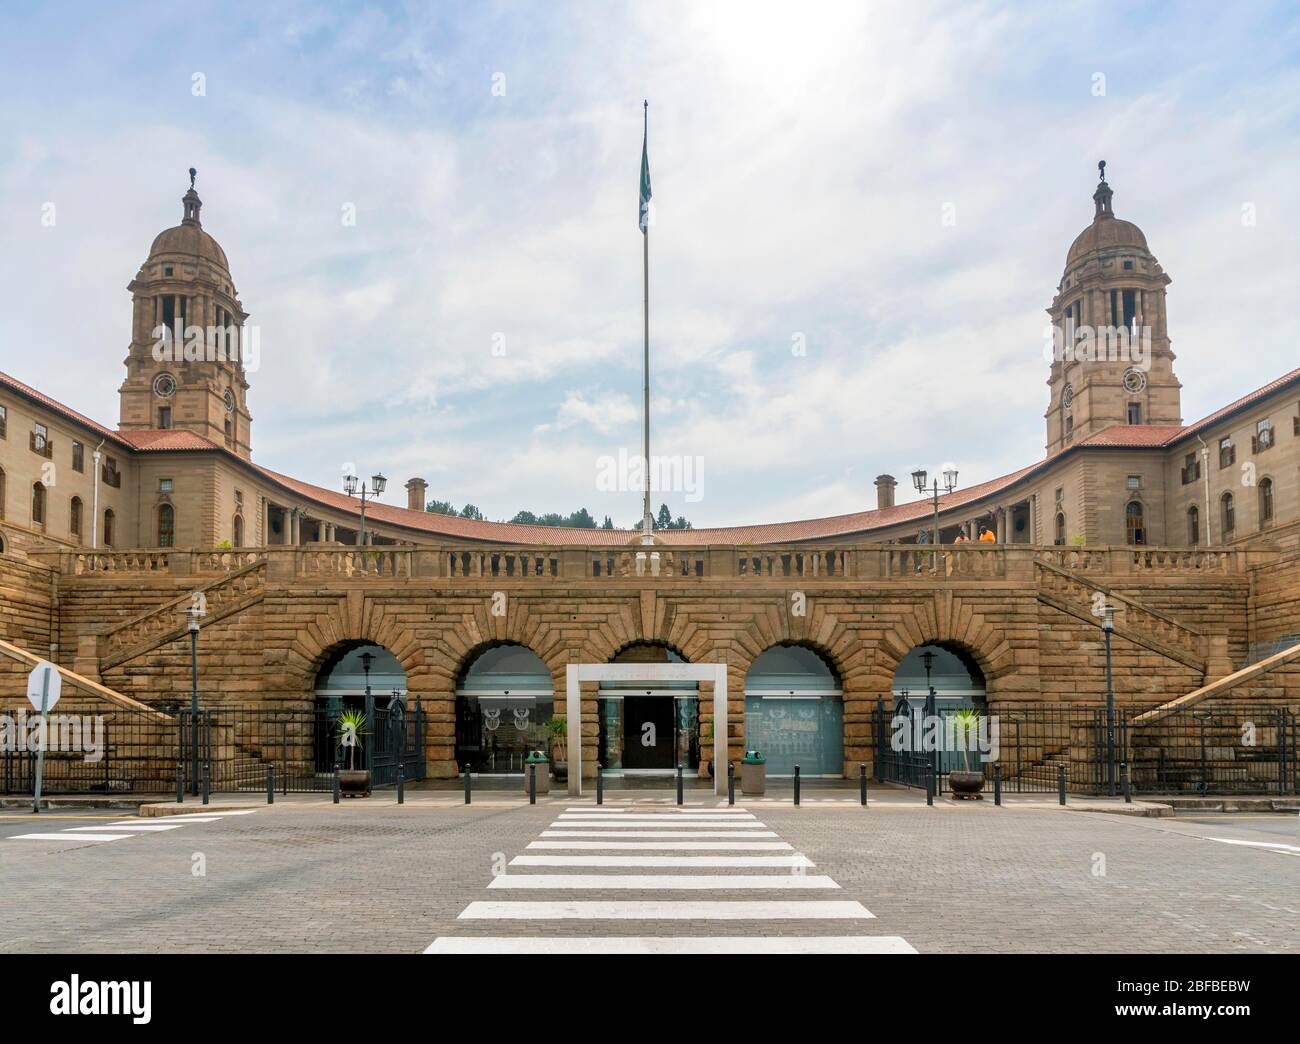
[(371, 876)]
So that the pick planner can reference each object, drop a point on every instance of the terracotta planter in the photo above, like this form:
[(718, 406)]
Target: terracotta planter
[(354, 782), (966, 785)]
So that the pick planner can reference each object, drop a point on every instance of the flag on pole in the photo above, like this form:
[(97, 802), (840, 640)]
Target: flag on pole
[(644, 218)]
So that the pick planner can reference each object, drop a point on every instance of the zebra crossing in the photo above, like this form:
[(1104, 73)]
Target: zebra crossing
[(591, 851), (122, 829)]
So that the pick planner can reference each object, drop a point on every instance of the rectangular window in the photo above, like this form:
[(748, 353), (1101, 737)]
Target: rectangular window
[(1191, 468), (110, 475), (164, 416), (1135, 482), (1263, 436), (1227, 453), (40, 440), (78, 457), (1130, 307), (1135, 413), (164, 485), (239, 498), (4, 422)]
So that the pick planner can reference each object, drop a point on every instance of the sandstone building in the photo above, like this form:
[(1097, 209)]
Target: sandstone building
[(1190, 531)]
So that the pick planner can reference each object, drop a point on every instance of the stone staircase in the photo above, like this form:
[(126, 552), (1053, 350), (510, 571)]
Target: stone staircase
[(1073, 594), (226, 595)]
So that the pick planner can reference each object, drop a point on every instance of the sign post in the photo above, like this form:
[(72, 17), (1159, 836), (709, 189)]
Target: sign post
[(44, 686)]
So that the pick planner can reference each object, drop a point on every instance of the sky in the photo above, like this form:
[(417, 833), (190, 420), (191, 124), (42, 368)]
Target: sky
[(861, 212)]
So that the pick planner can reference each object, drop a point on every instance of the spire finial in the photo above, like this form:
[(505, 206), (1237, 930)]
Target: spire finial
[(194, 174), (1103, 195), (191, 202)]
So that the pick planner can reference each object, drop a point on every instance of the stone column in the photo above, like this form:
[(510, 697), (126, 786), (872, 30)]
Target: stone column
[(1002, 525)]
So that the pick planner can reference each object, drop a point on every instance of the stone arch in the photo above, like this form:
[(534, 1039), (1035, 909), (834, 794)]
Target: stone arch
[(794, 709), (354, 618), (502, 711), (950, 622)]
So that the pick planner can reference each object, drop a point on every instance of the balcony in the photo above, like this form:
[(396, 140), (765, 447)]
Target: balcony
[(41, 444)]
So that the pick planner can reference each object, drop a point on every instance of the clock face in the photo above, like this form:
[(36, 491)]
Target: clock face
[(1134, 381), (230, 401), (1067, 396), (164, 385)]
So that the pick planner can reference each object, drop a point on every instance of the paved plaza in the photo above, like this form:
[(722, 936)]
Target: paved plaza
[(639, 874)]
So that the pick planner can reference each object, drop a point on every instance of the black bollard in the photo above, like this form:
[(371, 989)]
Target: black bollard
[(532, 783), (180, 783), (679, 784), (1128, 782), (997, 785), (929, 786), (467, 785), (207, 781), (401, 783), (1060, 782), (796, 784), (270, 784), (600, 786), (862, 784), (337, 786), (731, 783)]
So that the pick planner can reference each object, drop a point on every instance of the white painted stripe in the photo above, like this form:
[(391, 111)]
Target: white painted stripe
[(651, 810), (135, 826), (676, 824), (798, 859), (652, 817), (659, 833), (1277, 846), (195, 819), (669, 910), (667, 846), (68, 837), (663, 882), (551, 944)]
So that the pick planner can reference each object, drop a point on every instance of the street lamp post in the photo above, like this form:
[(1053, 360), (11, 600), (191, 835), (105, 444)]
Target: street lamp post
[(1108, 628), (377, 484), (366, 660), (931, 711), (919, 477), (192, 625)]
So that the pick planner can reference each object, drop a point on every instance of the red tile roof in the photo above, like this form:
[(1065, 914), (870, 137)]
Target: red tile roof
[(1132, 436)]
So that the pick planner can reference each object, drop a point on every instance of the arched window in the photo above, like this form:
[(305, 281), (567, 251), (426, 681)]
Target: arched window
[(38, 503), (109, 518), (1229, 515), (1266, 501), (74, 518), (1193, 526), (166, 525), (1135, 531), (237, 531), (1060, 527)]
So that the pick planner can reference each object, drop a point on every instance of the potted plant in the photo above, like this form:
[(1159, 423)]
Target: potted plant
[(353, 782), (558, 729), (967, 784)]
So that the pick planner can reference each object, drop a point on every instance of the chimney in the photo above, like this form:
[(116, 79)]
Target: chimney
[(885, 485), (415, 490)]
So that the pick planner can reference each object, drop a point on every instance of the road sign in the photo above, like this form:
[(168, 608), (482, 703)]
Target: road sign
[(44, 685)]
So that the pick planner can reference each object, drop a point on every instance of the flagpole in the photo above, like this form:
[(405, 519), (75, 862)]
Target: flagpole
[(647, 524)]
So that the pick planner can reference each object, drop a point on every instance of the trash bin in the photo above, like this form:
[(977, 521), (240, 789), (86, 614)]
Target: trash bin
[(753, 773), (537, 758)]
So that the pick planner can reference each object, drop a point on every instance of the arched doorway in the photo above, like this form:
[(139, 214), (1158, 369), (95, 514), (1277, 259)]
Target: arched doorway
[(649, 728), (794, 712), (360, 676), (934, 679), (504, 699)]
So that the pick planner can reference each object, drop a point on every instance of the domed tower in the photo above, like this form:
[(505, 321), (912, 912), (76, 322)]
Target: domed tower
[(185, 367), (1111, 363)]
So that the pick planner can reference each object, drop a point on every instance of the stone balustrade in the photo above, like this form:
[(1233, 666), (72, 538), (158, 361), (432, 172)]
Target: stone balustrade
[(666, 562)]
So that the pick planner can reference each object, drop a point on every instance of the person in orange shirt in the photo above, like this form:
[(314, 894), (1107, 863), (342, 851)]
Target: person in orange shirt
[(986, 536)]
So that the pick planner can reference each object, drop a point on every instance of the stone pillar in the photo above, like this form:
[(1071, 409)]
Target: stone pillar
[(266, 521), (1002, 525)]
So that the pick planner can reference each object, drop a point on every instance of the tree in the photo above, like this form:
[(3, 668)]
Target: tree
[(470, 511), (524, 518), (581, 519), (608, 523), (440, 507), (665, 519)]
